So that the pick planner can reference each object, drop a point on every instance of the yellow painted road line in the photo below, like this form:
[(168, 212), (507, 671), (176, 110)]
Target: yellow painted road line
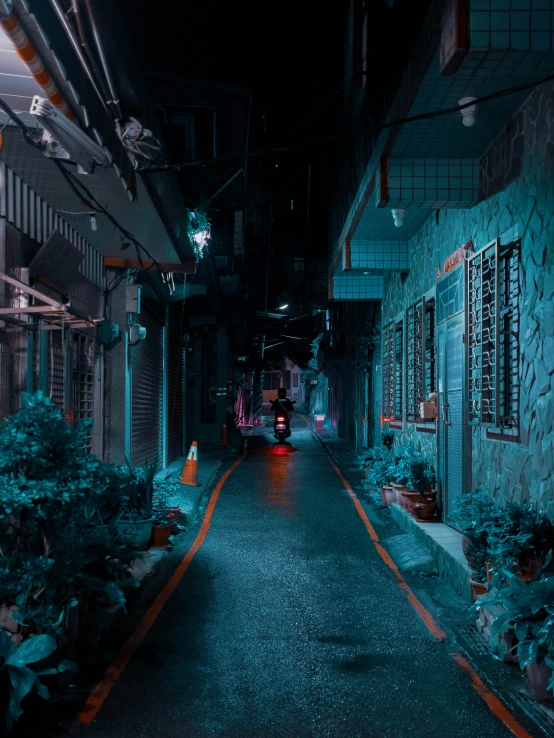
[(100, 693), (492, 701)]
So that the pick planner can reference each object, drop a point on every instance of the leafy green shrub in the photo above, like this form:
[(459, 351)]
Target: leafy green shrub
[(55, 501), (528, 608), (17, 679), (387, 439)]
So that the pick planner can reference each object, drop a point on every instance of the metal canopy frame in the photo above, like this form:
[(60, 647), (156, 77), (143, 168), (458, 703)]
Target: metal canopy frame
[(52, 311)]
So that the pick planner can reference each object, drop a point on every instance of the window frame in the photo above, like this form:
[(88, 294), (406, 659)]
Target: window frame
[(392, 383), (486, 299), (420, 342)]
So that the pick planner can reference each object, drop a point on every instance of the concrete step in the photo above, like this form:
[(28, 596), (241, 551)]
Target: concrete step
[(444, 544)]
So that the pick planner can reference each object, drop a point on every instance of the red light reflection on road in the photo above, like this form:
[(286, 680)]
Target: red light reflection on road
[(280, 491)]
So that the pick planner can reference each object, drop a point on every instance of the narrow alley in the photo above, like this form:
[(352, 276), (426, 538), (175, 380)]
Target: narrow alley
[(288, 623), (277, 369)]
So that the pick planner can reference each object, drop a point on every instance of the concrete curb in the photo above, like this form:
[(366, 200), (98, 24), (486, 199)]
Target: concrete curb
[(449, 564)]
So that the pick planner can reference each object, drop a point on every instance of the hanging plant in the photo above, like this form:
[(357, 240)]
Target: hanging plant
[(199, 231)]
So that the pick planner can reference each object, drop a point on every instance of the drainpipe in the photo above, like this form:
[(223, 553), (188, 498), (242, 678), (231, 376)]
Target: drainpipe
[(29, 56), (161, 106), (77, 48), (113, 100)]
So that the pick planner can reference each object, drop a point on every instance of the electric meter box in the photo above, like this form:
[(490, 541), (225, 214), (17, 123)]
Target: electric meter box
[(132, 298), (107, 332), (136, 333)]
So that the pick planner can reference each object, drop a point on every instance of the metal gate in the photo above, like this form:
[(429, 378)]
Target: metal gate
[(147, 393), (56, 368), (452, 442), (6, 381), (82, 375), (175, 409)]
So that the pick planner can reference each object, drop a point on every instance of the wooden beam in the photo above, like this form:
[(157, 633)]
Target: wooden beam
[(188, 267)]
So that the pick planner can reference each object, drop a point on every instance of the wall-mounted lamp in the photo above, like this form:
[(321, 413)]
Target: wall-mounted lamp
[(398, 216), (469, 114)]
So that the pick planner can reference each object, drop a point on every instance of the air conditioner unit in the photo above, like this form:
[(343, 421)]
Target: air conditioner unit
[(69, 136)]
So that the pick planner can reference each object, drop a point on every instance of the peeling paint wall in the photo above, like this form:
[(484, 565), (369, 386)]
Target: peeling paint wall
[(517, 192)]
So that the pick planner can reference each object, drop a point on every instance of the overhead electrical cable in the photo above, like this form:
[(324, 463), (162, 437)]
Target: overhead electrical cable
[(82, 192), (375, 129)]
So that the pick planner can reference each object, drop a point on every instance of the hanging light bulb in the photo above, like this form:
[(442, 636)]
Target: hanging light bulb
[(398, 216), (469, 114)]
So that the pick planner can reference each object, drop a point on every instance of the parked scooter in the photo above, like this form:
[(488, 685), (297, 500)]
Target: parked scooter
[(281, 425)]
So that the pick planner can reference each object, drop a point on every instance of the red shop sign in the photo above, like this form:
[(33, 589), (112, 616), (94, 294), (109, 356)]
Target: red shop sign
[(457, 257)]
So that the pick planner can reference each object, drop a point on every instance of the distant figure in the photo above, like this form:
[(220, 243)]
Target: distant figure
[(282, 404)]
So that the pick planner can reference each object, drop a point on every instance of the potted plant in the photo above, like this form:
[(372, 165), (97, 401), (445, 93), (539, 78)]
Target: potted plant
[(523, 539), (476, 517), (421, 475), (136, 491), (161, 529), (528, 608)]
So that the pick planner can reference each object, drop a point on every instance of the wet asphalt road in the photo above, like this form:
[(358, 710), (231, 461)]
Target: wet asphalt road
[(288, 623)]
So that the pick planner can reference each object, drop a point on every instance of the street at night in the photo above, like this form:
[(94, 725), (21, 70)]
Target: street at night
[(277, 369), (289, 623)]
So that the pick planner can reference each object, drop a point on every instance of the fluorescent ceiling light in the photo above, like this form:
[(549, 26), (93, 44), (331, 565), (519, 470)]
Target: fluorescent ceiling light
[(78, 145)]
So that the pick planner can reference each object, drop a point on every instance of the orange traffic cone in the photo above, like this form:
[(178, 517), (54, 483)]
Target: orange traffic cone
[(224, 434), (190, 469)]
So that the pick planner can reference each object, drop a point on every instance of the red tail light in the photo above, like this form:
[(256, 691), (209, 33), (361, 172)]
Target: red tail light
[(280, 419)]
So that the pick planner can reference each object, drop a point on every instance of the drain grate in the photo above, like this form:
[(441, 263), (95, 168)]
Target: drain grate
[(475, 639), (541, 713)]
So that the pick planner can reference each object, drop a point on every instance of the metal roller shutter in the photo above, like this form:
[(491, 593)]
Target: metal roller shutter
[(147, 393), (175, 399)]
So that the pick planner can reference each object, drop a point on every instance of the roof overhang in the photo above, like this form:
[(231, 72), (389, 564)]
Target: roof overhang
[(430, 164)]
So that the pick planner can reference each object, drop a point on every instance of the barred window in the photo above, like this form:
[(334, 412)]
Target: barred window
[(398, 367), (420, 358), (493, 339), (387, 385)]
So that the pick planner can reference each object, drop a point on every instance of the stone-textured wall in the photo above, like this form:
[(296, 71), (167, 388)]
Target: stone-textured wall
[(517, 187)]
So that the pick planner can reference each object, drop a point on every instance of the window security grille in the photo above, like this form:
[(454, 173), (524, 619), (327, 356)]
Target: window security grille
[(56, 368), (493, 338), (398, 366), (83, 382), (420, 357), (387, 405)]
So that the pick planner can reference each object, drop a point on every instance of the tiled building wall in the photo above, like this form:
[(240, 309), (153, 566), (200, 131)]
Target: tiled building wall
[(524, 152)]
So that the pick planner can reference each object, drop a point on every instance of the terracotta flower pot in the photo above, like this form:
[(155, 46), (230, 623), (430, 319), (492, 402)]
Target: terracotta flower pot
[(466, 544), (390, 495), (397, 489), (478, 588), (383, 496), (176, 514), (160, 535), (539, 676), (408, 499), (424, 509), (528, 572)]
